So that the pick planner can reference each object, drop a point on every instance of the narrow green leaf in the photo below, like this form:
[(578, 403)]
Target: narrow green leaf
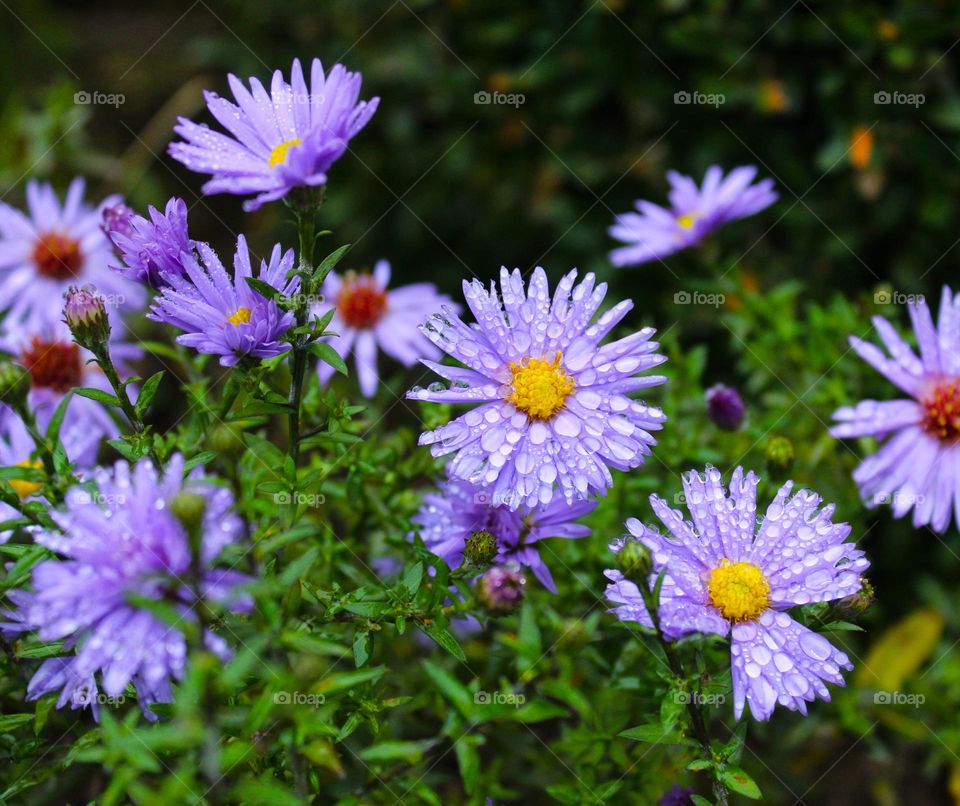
[(328, 355), (739, 781), (147, 392), (98, 394)]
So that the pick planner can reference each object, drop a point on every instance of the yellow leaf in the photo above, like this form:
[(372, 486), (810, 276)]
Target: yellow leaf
[(900, 651)]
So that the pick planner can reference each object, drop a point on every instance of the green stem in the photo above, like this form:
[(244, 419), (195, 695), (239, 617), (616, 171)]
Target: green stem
[(105, 362), (697, 722), (306, 229)]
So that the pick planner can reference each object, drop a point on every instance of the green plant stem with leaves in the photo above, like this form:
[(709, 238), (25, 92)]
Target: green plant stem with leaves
[(651, 599)]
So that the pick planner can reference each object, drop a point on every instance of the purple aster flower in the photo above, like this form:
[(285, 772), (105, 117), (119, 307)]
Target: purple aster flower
[(149, 249), (553, 405), (725, 407), (120, 542), (368, 316), (276, 141), (449, 517), (56, 246), (222, 315), (655, 232), (918, 466), (677, 796), (726, 575)]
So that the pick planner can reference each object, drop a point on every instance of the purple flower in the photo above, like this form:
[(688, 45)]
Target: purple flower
[(368, 316), (56, 246), (726, 575), (677, 796), (222, 315), (553, 405), (918, 466), (460, 509), (119, 543), (725, 406), (149, 249), (694, 213), (276, 141)]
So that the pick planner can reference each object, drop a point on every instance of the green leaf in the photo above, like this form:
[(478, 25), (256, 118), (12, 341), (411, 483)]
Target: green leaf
[(199, 459), (328, 355), (147, 392), (99, 395), (444, 638), (412, 578), (411, 752), (362, 646), (737, 780), (344, 680), (264, 289), (451, 688), (468, 760), (652, 734), (329, 262), (9, 722), (53, 427)]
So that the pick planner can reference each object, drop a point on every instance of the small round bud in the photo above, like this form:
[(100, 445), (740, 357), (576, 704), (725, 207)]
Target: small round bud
[(634, 560), (500, 590), (85, 314), (857, 603), (725, 407), (779, 456), (189, 508), (227, 440), (481, 548), (14, 385)]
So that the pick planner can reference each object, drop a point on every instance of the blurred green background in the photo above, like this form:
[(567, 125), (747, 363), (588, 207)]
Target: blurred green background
[(446, 188)]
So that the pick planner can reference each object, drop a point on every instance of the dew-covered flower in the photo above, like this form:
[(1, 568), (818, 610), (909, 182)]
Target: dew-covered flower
[(223, 315), (655, 232), (57, 245), (726, 575), (460, 510), (552, 406), (56, 365), (149, 248), (918, 466), (369, 316), (277, 140), (119, 543)]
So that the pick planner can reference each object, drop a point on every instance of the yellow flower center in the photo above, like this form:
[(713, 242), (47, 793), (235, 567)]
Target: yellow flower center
[(279, 153), (686, 221), (540, 388), (24, 488), (738, 590), (240, 317)]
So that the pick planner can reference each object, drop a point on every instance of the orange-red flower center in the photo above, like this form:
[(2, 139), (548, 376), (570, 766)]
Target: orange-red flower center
[(942, 408), (360, 302), (53, 365), (57, 256)]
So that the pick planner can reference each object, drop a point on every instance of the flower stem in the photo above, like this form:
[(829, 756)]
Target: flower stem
[(697, 723), (306, 213), (105, 362)]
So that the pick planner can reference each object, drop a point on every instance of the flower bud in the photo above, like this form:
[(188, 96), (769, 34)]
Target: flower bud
[(725, 407), (189, 508), (857, 603), (14, 385), (117, 220), (779, 456), (481, 548), (86, 315), (500, 590), (634, 560)]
